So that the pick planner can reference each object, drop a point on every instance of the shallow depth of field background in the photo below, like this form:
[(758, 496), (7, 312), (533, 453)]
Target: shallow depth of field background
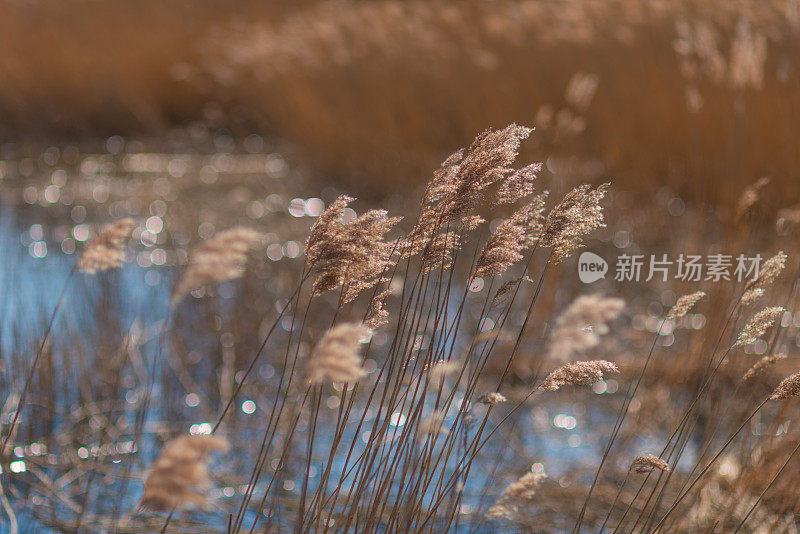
[(699, 96)]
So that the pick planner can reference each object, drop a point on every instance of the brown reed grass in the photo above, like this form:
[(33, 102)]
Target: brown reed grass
[(107, 250), (178, 477)]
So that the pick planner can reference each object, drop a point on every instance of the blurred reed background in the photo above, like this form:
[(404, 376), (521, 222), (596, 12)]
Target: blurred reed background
[(699, 96)]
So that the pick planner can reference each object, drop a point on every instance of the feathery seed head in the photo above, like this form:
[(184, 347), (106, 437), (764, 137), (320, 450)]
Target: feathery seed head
[(750, 196), (788, 388), (458, 185), (761, 365), (179, 476), (353, 254), (442, 369), (645, 464), (578, 374), (505, 290), (515, 495), (221, 258), (513, 235), (518, 185), (377, 316), (771, 269), (327, 225), (583, 323), (336, 357), (578, 214), (758, 325), (432, 425), (490, 399), (684, 304), (107, 250)]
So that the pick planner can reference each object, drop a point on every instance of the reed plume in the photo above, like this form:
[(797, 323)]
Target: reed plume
[(684, 304), (107, 250), (770, 271), (759, 324), (578, 214), (491, 399), (578, 374), (515, 495), (327, 225), (432, 425), (788, 388), (352, 253), (761, 365), (518, 185), (750, 196), (645, 464), (336, 356), (221, 258), (442, 369), (179, 477), (583, 323), (377, 315), (505, 290), (458, 185), (511, 237)]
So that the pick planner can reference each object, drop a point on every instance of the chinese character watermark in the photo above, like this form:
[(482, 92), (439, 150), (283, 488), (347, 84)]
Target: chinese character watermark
[(684, 267)]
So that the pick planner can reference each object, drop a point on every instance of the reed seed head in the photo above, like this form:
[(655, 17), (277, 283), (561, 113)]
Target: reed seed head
[(221, 258), (377, 315), (684, 304), (458, 185), (178, 478), (432, 425), (352, 254), (578, 374), (336, 356), (505, 290), (788, 388), (769, 272), (516, 494), (759, 324), (518, 185), (645, 464), (582, 325), (578, 214), (761, 365), (750, 196), (442, 369), (107, 250), (491, 399), (511, 237)]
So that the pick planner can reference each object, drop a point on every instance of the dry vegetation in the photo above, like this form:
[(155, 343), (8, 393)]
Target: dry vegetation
[(430, 367), (691, 94)]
